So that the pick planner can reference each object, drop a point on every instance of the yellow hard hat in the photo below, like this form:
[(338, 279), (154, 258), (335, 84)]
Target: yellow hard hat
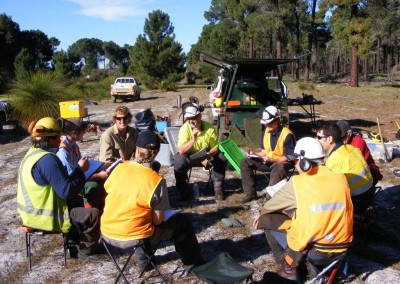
[(218, 102), (46, 126)]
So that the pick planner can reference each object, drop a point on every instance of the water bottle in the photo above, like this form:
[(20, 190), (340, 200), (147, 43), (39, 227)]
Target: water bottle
[(196, 191)]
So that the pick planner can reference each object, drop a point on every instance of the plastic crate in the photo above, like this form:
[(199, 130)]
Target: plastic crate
[(72, 109), (232, 153)]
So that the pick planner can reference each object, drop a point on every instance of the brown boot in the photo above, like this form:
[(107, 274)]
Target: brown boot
[(289, 272), (247, 198), (219, 196)]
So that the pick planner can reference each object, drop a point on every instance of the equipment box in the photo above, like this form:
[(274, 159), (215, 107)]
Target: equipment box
[(72, 109)]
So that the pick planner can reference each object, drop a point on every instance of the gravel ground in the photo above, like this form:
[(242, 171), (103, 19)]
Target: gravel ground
[(374, 261)]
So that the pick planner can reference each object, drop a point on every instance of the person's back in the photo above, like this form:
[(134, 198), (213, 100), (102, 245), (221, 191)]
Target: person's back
[(349, 160), (127, 211), (324, 212)]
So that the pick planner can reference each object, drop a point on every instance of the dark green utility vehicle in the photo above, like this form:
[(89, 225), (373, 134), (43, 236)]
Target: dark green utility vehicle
[(246, 93)]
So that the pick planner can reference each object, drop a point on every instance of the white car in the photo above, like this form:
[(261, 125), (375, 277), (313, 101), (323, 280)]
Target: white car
[(125, 88)]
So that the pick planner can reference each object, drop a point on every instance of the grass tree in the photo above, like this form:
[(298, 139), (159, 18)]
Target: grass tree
[(37, 96)]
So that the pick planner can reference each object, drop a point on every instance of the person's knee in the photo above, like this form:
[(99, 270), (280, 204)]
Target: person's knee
[(265, 221), (180, 162)]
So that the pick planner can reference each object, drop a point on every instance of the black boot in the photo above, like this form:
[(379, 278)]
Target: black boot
[(289, 272)]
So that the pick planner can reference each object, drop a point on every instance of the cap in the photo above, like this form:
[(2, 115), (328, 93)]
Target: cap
[(191, 111), (344, 127), (269, 114), (70, 124), (148, 140)]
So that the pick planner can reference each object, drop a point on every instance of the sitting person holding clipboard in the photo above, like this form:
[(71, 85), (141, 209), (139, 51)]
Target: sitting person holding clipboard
[(69, 153), (197, 143)]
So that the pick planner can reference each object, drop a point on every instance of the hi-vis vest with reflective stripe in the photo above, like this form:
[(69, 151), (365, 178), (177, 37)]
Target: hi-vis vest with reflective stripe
[(127, 212), (39, 206), (278, 152), (349, 160), (324, 213)]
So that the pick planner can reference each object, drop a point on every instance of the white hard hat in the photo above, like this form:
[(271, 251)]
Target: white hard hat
[(269, 114), (309, 148), (191, 111)]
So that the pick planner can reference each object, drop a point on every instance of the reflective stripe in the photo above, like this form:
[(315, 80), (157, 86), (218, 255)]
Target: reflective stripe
[(29, 207), (42, 212), (21, 180), (357, 178), (326, 207)]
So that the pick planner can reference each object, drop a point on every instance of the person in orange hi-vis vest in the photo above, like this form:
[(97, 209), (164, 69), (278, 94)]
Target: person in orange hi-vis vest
[(311, 216)]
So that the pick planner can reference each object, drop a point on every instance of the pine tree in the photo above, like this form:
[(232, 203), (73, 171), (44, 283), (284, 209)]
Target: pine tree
[(156, 57)]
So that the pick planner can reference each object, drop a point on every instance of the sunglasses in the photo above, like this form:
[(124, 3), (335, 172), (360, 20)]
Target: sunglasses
[(121, 117), (320, 137)]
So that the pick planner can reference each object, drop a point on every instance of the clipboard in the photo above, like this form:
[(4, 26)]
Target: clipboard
[(198, 155), (113, 165), (94, 166)]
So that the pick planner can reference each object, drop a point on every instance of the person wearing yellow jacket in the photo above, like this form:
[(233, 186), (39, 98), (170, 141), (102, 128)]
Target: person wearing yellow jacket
[(277, 141), (137, 208), (311, 216), (44, 189), (348, 160)]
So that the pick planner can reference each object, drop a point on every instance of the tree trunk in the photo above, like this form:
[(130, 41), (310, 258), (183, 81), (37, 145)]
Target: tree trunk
[(365, 69), (354, 67), (311, 38), (378, 55)]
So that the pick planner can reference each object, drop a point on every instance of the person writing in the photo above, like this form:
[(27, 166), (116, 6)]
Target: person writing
[(277, 141), (70, 155), (44, 187)]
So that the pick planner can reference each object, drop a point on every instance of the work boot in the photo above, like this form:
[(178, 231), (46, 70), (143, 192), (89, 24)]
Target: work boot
[(247, 198), (289, 272), (96, 251)]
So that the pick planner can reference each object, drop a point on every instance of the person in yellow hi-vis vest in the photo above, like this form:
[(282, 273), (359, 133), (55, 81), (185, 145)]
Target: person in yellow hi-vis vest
[(44, 188), (137, 208), (349, 160), (277, 141), (311, 216)]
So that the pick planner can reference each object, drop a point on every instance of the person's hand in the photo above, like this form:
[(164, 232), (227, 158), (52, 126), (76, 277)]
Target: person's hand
[(266, 159), (106, 165), (103, 175), (256, 223), (83, 164), (195, 131)]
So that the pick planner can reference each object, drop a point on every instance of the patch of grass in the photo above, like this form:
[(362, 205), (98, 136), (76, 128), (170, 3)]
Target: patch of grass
[(306, 86)]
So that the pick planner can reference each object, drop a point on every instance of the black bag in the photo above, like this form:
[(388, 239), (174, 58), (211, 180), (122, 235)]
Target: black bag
[(223, 270), (145, 120)]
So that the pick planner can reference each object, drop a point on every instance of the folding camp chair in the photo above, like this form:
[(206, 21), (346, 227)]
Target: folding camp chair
[(326, 270), (131, 251), (327, 274), (29, 232), (223, 270)]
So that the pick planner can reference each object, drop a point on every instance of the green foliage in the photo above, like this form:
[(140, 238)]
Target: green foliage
[(38, 96), (167, 85), (306, 86), (63, 65), (156, 56), (23, 64)]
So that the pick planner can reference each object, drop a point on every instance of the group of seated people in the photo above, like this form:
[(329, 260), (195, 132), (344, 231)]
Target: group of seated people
[(312, 213)]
